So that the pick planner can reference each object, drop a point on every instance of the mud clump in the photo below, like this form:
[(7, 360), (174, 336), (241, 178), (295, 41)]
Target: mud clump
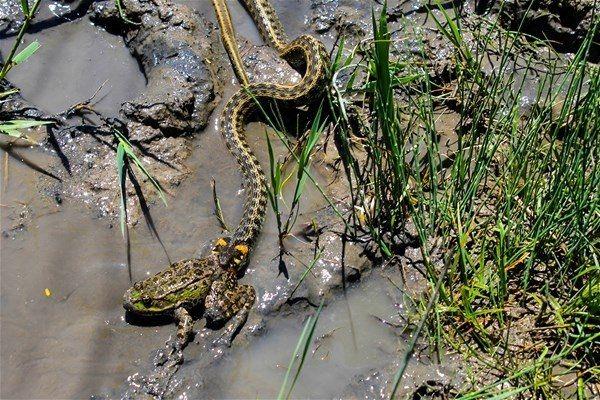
[(174, 47), (565, 23), (170, 43), (348, 18), (263, 64)]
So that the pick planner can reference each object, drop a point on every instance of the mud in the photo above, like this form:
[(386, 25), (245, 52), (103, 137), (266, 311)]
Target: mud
[(174, 48), (337, 18), (564, 23)]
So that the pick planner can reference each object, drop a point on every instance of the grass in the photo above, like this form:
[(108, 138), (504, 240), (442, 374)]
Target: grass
[(15, 57), (507, 219), (124, 155), (299, 355), (301, 171), (513, 203)]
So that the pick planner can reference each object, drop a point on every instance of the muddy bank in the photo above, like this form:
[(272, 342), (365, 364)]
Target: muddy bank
[(563, 23), (175, 50)]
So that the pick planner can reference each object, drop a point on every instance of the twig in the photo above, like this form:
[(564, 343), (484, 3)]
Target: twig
[(218, 211), (84, 105)]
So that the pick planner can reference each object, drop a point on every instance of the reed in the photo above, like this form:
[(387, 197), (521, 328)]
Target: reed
[(512, 208)]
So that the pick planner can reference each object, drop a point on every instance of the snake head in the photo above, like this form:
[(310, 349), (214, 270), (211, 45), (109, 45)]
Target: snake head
[(234, 256)]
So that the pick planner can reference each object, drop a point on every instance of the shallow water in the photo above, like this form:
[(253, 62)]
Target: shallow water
[(75, 59), (76, 343)]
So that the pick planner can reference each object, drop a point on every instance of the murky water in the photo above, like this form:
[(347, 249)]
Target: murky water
[(75, 342), (75, 60)]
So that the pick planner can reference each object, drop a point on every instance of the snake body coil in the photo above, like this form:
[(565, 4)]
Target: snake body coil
[(305, 54)]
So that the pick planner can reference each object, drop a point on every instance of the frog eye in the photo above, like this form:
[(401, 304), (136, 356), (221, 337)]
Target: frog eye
[(146, 301), (220, 244)]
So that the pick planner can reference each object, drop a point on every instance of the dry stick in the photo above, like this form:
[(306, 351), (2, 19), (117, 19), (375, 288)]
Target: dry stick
[(84, 105)]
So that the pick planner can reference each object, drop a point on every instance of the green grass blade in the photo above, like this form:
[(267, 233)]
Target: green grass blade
[(25, 7), (121, 174), (128, 149), (306, 271), (284, 384), (306, 347), (27, 52)]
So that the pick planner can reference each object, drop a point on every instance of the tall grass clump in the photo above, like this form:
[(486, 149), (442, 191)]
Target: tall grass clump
[(507, 217), (280, 176)]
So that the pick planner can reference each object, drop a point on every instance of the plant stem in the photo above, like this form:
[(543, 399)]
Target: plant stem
[(28, 18)]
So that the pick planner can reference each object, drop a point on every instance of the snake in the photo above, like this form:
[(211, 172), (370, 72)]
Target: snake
[(305, 54)]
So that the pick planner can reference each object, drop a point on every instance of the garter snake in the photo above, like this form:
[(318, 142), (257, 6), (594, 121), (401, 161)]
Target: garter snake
[(305, 54)]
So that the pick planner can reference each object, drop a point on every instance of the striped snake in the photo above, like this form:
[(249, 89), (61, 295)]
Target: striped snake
[(305, 54)]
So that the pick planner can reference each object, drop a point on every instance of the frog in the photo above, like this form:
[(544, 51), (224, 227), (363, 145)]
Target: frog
[(209, 283)]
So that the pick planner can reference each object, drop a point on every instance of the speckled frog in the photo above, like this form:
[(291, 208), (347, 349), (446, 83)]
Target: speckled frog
[(186, 285)]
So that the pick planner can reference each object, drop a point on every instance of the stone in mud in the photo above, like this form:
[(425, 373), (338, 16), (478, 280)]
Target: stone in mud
[(348, 18), (172, 44), (263, 64), (564, 23)]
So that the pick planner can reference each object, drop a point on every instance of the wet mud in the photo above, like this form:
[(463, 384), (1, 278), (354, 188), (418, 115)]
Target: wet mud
[(563, 23)]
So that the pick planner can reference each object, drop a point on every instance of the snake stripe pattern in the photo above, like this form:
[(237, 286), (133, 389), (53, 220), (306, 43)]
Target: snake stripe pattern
[(305, 54)]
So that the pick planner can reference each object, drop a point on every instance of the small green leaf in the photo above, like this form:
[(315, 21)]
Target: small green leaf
[(26, 52), (25, 7), (11, 128), (121, 173), (24, 124)]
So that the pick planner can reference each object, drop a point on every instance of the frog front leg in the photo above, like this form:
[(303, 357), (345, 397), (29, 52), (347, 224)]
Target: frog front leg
[(229, 301), (185, 324)]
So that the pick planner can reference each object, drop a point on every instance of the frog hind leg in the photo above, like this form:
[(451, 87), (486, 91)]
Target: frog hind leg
[(185, 325), (228, 301)]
